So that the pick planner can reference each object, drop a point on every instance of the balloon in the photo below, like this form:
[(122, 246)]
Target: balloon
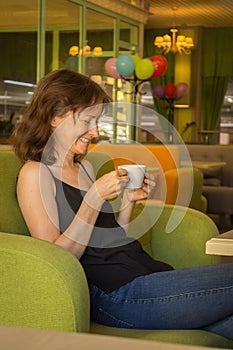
[(170, 90), (181, 90), (144, 69), (136, 59), (158, 91), (125, 65), (160, 65), (110, 67)]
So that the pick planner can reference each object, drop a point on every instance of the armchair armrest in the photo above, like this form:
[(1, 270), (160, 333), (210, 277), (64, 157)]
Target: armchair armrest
[(179, 235), (42, 286)]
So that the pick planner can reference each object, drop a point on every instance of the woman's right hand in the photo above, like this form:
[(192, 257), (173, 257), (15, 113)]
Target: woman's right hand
[(112, 184)]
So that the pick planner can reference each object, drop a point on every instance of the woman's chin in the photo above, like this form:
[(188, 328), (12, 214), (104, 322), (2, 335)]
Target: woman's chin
[(80, 147)]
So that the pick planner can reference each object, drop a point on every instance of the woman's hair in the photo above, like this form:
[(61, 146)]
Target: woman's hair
[(57, 93)]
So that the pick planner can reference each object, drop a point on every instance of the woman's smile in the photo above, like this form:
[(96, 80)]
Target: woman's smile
[(83, 139)]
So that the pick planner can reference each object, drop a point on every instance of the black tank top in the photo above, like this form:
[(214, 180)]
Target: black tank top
[(111, 259)]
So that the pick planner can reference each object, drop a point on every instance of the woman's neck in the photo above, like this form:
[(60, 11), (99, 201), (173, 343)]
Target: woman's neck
[(65, 161)]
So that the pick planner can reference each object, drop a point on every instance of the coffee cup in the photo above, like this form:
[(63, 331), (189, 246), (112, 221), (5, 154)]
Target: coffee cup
[(136, 174)]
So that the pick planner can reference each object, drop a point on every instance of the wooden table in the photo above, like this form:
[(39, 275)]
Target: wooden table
[(221, 245), (202, 164), (13, 338), (207, 165)]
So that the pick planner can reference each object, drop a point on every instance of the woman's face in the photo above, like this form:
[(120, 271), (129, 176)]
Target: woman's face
[(74, 131)]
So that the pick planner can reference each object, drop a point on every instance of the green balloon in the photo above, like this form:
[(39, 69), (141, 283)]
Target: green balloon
[(144, 69)]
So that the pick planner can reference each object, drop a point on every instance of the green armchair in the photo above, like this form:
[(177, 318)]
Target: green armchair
[(44, 286)]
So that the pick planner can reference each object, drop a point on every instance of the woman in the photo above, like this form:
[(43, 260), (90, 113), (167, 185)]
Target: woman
[(63, 203)]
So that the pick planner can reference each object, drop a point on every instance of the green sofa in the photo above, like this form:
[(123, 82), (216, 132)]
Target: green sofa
[(44, 286)]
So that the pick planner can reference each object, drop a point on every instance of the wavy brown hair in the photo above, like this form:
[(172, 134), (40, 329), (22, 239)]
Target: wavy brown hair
[(57, 93)]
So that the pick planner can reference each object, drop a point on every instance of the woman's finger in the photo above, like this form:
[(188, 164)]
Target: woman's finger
[(121, 172), (122, 175), (149, 176)]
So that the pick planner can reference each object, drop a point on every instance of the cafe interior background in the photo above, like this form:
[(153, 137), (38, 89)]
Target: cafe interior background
[(39, 36)]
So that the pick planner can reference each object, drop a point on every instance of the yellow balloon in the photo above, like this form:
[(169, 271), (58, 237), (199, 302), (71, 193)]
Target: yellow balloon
[(136, 59), (144, 69)]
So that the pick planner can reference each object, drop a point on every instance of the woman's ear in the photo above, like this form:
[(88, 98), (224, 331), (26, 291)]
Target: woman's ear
[(57, 120), (54, 122)]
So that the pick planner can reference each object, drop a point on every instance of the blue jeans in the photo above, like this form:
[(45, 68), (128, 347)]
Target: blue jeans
[(194, 298)]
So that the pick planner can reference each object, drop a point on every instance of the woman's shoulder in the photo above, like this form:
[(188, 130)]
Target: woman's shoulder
[(32, 166), (36, 175), (33, 169)]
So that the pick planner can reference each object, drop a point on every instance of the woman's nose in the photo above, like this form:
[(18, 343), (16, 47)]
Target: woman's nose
[(94, 131)]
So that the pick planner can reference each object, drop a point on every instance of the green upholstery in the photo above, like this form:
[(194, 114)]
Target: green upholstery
[(198, 201), (40, 286), (101, 164), (44, 286), (11, 218), (184, 246)]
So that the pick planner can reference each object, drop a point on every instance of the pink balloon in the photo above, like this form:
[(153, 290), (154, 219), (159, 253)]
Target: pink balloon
[(181, 90), (110, 67), (158, 91)]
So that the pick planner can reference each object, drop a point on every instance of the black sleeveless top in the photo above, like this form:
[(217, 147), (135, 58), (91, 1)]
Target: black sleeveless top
[(111, 259)]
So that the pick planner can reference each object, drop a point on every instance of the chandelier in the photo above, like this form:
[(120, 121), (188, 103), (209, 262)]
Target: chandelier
[(174, 43)]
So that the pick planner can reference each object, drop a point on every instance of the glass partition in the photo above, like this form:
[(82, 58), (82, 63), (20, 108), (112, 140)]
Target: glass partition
[(62, 43), (129, 36), (100, 43), (18, 47), (38, 36)]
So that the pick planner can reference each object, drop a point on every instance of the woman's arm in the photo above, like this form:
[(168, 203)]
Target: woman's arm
[(36, 195)]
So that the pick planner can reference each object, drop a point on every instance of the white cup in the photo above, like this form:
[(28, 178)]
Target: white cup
[(136, 174)]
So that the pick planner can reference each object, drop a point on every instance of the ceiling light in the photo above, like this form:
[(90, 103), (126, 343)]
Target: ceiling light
[(174, 43), (15, 82)]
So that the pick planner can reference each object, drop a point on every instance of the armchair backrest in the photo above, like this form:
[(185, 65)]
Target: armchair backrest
[(101, 162), (11, 219), (161, 156)]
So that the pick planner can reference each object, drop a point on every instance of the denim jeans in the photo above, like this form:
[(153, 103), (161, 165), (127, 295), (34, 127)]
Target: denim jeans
[(194, 298)]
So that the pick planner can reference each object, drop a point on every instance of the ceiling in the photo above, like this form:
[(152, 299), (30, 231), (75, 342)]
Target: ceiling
[(191, 13)]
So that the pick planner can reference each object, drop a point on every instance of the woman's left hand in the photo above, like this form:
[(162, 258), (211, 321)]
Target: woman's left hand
[(144, 192)]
